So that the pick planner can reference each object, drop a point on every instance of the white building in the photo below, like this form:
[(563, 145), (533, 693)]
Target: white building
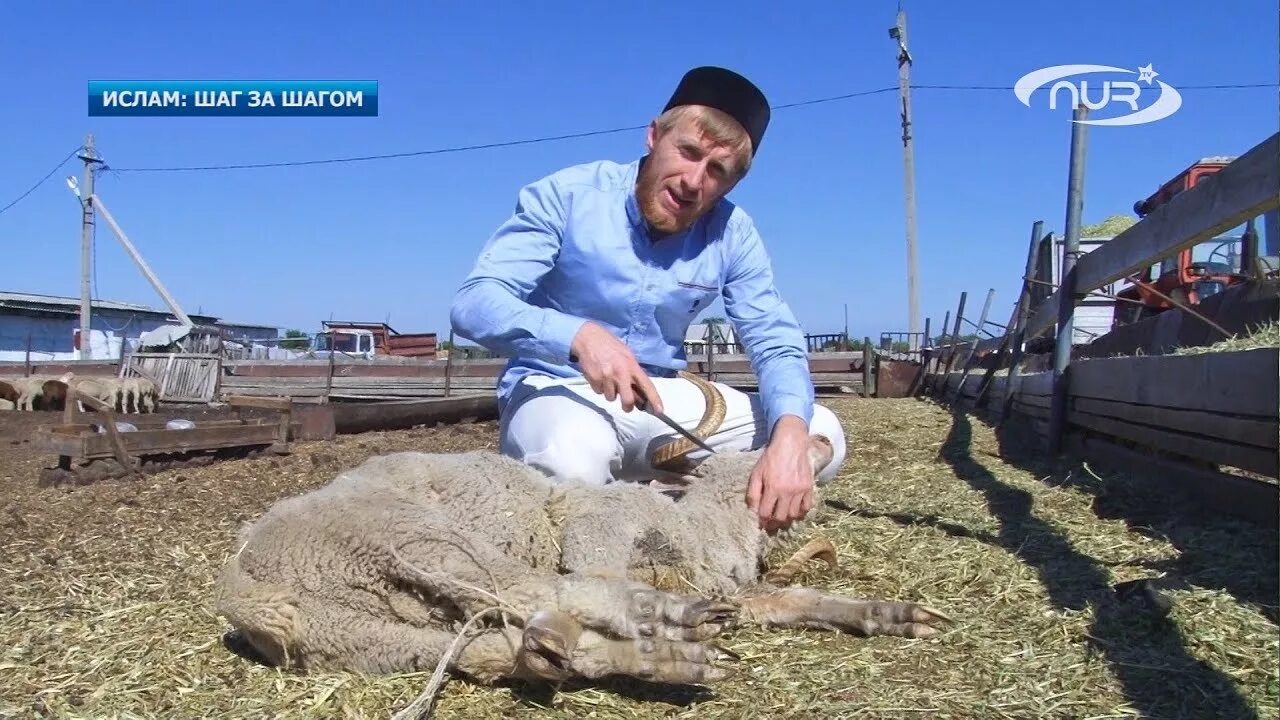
[(48, 327)]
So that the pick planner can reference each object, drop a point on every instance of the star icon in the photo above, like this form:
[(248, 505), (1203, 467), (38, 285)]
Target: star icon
[(1146, 74)]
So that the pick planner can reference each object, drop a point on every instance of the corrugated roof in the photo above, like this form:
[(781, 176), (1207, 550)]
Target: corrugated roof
[(27, 299), (230, 323), (71, 305)]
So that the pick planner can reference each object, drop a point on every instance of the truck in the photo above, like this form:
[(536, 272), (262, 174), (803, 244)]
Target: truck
[(365, 340), (1194, 273)]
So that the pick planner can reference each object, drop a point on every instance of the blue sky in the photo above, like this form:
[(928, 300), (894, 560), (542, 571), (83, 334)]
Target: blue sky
[(393, 238)]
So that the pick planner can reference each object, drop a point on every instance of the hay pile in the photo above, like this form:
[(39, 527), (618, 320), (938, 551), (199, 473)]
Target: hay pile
[(1110, 227), (105, 589), (1263, 335)]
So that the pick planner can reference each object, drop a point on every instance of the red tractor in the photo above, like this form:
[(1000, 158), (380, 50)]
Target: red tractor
[(1195, 273)]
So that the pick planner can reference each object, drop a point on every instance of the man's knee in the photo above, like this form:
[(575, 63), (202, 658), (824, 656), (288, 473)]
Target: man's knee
[(564, 439), (826, 423)]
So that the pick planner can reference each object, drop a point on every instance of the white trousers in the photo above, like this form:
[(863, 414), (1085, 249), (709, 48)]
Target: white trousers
[(567, 430)]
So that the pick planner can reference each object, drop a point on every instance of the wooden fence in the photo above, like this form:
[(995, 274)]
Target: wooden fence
[(1207, 421), (179, 377), (317, 380)]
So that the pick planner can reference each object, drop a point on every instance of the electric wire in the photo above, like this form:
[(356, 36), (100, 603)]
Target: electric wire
[(594, 133), (42, 180), (548, 138)]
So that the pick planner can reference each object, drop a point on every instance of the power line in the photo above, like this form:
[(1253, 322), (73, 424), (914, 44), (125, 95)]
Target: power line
[(593, 133), (467, 148), (552, 138), (1180, 88), (42, 180)]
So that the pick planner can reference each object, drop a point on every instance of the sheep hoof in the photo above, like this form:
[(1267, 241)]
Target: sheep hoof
[(881, 617), (548, 645), (681, 663), (678, 617), (709, 612)]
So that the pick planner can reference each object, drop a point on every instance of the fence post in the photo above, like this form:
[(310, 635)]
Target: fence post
[(333, 353), (935, 358), (925, 356), (448, 365), (1013, 334), (711, 354), (968, 356), (1067, 285), (867, 375), (951, 351)]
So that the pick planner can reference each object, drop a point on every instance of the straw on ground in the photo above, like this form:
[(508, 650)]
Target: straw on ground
[(105, 595)]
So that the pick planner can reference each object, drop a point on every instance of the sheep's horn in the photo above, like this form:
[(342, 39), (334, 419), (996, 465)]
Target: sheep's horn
[(817, 548), (671, 455)]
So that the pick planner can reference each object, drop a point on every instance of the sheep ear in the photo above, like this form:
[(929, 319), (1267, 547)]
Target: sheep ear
[(821, 451)]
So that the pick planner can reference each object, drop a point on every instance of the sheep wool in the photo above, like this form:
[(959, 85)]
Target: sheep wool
[(377, 571)]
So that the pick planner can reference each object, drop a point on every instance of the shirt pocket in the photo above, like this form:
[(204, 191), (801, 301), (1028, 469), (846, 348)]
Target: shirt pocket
[(693, 296)]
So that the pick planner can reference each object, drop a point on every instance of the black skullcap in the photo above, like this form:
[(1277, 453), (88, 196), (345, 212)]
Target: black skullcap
[(727, 91)]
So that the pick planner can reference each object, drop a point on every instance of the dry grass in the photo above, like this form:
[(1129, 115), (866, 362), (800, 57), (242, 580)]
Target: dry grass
[(104, 596), (1263, 336)]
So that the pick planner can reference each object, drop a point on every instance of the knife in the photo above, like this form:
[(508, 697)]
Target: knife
[(643, 403)]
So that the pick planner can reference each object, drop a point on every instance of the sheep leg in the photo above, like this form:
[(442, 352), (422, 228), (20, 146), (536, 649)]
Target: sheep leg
[(810, 608), (629, 609), (556, 647), (474, 574)]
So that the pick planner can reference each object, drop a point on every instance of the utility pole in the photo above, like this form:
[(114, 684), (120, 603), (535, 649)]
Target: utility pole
[(90, 158), (1067, 283), (899, 32), (846, 325)]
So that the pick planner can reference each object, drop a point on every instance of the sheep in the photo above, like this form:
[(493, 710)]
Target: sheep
[(8, 392), (53, 395), (138, 394), (29, 392), (103, 389), (373, 573)]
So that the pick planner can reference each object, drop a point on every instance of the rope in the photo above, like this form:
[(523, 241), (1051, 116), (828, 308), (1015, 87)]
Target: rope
[(423, 705)]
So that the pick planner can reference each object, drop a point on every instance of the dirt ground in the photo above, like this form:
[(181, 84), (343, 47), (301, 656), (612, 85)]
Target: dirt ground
[(105, 593)]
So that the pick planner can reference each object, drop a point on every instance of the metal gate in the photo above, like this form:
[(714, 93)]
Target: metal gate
[(179, 377)]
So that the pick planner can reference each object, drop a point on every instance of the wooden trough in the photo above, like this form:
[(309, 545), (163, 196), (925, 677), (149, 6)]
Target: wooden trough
[(86, 454), (357, 417)]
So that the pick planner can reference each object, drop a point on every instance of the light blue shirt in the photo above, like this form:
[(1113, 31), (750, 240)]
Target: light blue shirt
[(578, 248)]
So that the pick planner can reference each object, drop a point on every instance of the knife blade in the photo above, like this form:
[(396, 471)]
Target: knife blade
[(643, 403)]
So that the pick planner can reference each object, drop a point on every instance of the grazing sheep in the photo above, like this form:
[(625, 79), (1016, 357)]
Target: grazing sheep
[(375, 571), (103, 389), (8, 392), (53, 395), (30, 391), (137, 394)]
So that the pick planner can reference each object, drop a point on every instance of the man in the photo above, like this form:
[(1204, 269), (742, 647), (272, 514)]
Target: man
[(593, 282)]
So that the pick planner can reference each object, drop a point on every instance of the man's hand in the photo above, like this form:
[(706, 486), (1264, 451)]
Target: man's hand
[(611, 368), (781, 487)]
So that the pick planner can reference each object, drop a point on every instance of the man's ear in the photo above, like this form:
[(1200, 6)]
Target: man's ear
[(651, 136)]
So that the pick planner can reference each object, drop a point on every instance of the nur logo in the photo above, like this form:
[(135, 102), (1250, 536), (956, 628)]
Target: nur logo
[(1107, 92)]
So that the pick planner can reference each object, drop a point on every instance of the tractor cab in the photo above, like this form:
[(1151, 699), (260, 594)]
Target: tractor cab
[(1194, 273)]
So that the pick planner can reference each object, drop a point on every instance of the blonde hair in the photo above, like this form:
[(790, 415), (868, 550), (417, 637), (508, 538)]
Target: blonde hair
[(716, 124)]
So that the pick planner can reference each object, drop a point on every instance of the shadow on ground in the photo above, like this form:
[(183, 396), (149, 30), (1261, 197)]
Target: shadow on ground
[(1130, 630), (1146, 651)]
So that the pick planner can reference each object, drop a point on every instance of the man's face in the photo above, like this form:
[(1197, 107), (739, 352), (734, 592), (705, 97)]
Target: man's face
[(685, 175)]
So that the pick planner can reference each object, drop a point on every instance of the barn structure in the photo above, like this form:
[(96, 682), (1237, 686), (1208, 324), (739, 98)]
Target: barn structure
[(47, 327), (719, 334)]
